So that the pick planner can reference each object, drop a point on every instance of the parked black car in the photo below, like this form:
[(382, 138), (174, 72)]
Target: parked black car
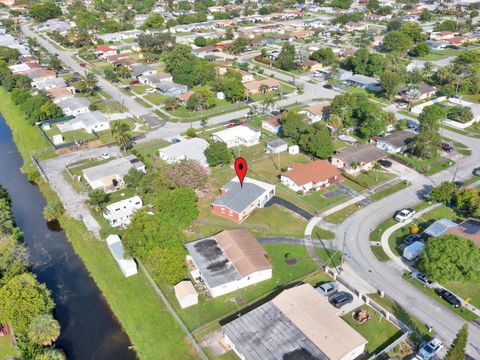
[(449, 297), (385, 163), (476, 171), (447, 147), (328, 86), (340, 299)]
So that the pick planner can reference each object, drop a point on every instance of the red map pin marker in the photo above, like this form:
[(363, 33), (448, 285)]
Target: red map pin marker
[(241, 169)]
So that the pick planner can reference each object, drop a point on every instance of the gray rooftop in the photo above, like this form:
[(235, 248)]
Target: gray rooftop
[(120, 167), (212, 262), (265, 333), (439, 227), (168, 85), (74, 103), (364, 80), (398, 138), (276, 143), (238, 198), (91, 118)]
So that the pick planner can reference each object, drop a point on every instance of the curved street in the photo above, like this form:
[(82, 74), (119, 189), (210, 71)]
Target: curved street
[(385, 276)]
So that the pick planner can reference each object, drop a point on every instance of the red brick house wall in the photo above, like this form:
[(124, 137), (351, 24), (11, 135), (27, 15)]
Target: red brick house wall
[(226, 213)]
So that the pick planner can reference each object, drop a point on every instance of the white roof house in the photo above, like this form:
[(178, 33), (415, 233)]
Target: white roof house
[(121, 212), (127, 265), (191, 149), (75, 105), (238, 135), (90, 121), (186, 294), (109, 176)]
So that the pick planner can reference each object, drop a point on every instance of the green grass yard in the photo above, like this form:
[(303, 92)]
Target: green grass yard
[(380, 254), (156, 98), (340, 216), (378, 331), (389, 190)]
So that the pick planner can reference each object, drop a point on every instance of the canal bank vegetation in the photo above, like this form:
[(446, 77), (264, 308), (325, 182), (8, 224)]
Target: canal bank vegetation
[(151, 329), (26, 306)]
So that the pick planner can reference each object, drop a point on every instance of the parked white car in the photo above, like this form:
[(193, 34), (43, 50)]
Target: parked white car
[(423, 279), (105, 156), (328, 289), (404, 214), (430, 349)]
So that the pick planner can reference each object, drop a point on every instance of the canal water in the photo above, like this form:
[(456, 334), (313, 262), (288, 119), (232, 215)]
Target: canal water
[(89, 328)]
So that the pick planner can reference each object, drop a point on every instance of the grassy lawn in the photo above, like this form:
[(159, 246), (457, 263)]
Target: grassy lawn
[(279, 221), (26, 137), (467, 289), (396, 239), (153, 332), (331, 258), (427, 166), (416, 325), (379, 253), (222, 107), (439, 54), (371, 178), (322, 234), (150, 149), (464, 313), (389, 191), (209, 310), (156, 98), (340, 216), (378, 331), (320, 203), (140, 89), (7, 350)]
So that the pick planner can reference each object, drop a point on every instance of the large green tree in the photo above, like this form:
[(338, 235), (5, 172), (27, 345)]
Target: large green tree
[(217, 153), (23, 298), (286, 59), (451, 258), (467, 201), (397, 41), (44, 11), (324, 56), (44, 329), (316, 140), (390, 81), (443, 193)]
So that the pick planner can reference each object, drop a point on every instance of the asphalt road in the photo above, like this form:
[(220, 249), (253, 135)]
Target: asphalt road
[(383, 275)]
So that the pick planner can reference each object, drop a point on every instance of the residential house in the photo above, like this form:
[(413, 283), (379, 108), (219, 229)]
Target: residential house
[(186, 294), (366, 82), (311, 65), (299, 323), (191, 149), (317, 112), (141, 69), (439, 227), (276, 146), (104, 50), (273, 124), (356, 159), (109, 176), (228, 261), (121, 212), (60, 93), (171, 89), (114, 57), (257, 86), (240, 135), (183, 98), (155, 79), (437, 45), (93, 121), (127, 265), (442, 35), (127, 62), (313, 176), (37, 75), (340, 75), (355, 26), (119, 36), (21, 68), (75, 105), (49, 84), (201, 52), (238, 202), (395, 142)]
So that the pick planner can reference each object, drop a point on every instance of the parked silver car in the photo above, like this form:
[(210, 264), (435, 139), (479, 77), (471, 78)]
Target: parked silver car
[(328, 289)]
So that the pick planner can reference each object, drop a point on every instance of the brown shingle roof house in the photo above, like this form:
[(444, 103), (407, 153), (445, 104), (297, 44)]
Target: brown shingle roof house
[(228, 261), (312, 176)]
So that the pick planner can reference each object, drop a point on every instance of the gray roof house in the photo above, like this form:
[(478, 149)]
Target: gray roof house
[(237, 202), (365, 82), (75, 105), (395, 142), (142, 69), (191, 149), (439, 227), (357, 159), (171, 89), (48, 84), (109, 176)]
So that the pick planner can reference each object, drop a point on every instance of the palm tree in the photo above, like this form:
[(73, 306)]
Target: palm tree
[(412, 95), (263, 88), (120, 132), (52, 353), (44, 330), (376, 169), (88, 83), (269, 101), (171, 104), (335, 121), (427, 70)]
